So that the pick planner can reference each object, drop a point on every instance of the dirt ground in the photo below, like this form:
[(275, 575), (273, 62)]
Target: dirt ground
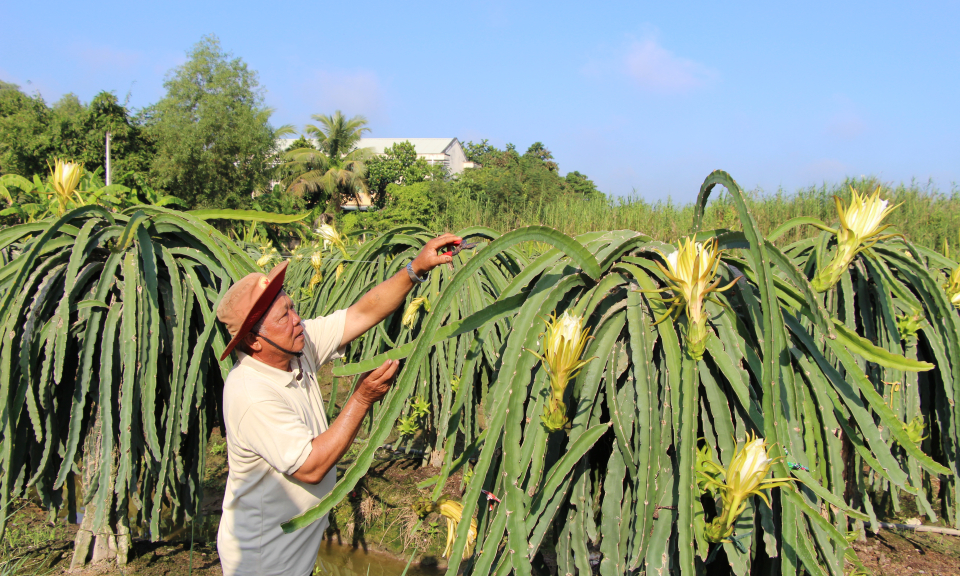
[(377, 518), (906, 553)]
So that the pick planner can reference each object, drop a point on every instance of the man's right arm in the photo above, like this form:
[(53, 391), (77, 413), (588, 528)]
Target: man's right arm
[(332, 444)]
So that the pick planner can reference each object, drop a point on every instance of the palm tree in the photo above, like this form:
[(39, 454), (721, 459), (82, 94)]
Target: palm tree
[(336, 168)]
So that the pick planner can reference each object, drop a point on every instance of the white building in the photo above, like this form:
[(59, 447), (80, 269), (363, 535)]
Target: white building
[(447, 152), (444, 151)]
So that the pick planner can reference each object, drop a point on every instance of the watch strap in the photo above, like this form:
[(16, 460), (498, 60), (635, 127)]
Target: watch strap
[(413, 275)]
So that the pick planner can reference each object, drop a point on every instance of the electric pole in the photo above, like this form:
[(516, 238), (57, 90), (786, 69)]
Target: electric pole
[(108, 157)]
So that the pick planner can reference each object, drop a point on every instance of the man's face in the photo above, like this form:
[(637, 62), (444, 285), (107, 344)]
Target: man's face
[(282, 324)]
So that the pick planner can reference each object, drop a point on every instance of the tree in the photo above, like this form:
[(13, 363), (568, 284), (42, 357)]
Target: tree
[(33, 134), (213, 137), (398, 165), (69, 106), (79, 133), (476, 152), (131, 151), (539, 151), (579, 184), (508, 179), (336, 168), (410, 204), (301, 142), (25, 141)]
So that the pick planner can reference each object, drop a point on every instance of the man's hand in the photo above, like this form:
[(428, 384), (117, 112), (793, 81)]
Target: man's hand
[(376, 383), (386, 297), (428, 259), (327, 448)]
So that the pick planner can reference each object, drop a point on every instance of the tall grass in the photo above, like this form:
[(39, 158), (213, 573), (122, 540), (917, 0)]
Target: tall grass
[(927, 216)]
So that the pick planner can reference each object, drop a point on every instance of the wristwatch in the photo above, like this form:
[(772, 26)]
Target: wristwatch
[(413, 275)]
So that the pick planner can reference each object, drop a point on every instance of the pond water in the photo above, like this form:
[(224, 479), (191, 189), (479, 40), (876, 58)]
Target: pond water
[(338, 560)]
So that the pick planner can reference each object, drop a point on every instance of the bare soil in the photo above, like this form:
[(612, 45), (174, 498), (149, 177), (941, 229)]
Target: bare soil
[(906, 553)]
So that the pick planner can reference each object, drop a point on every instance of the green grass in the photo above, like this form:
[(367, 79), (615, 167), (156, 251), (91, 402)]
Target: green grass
[(927, 217), (218, 448), (22, 548)]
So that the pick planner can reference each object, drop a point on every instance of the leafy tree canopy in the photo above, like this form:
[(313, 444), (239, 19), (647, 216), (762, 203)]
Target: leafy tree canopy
[(539, 151), (334, 170), (509, 179), (398, 165), (416, 203), (302, 142), (32, 134), (25, 142), (476, 152), (337, 136), (280, 201), (580, 184), (212, 132), (83, 130)]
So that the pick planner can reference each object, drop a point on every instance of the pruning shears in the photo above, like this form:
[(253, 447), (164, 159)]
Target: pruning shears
[(460, 247), (491, 499)]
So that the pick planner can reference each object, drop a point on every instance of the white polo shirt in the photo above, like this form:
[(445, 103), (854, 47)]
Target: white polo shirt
[(271, 421)]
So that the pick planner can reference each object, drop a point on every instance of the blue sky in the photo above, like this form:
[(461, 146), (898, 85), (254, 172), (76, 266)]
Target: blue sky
[(637, 95)]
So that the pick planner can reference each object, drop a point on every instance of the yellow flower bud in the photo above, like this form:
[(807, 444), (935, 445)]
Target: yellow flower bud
[(859, 229), (952, 287), (332, 237), (410, 314), (909, 324), (65, 176), (861, 220), (269, 255), (691, 272), (744, 477), (564, 342), (914, 430)]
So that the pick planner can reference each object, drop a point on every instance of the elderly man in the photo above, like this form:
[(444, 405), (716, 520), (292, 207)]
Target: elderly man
[(281, 452)]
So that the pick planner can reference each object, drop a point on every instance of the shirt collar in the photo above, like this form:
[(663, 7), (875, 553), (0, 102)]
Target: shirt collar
[(275, 375)]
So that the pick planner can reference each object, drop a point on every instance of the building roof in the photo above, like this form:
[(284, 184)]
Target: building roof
[(284, 143), (421, 145)]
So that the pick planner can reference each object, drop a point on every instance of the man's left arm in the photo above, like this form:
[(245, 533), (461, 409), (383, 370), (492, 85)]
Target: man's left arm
[(378, 303)]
